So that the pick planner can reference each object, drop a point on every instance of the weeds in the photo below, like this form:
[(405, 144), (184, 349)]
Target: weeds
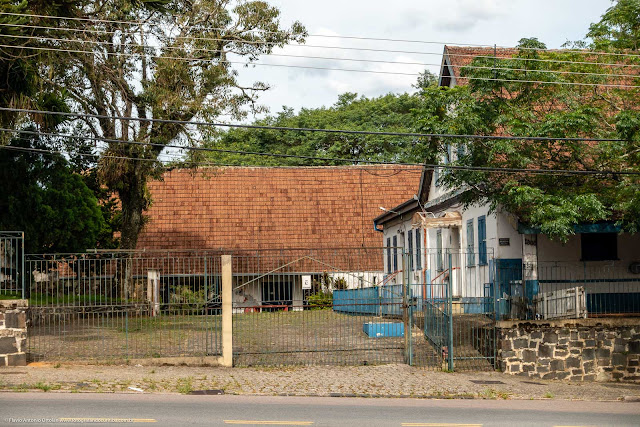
[(185, 385)]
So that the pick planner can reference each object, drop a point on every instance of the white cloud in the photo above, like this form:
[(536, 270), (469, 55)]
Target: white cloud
[(462, 15)]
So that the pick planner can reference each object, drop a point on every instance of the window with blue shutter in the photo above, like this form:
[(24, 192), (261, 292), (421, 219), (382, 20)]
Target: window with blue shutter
[(482, 240), (410, 247), (388, 254), (418, 250), (471, 256), (395, 253), (439, 250)]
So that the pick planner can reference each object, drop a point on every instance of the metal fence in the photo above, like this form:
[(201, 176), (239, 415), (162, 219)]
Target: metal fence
[(459, 309), (306, 306), (557, 290), (123, 305), (12, 278), (319, 306)]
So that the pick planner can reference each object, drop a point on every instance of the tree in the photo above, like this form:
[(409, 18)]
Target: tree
[(20, 85), (154, 59), (388, 113), (41, 195), (508, 100), (619, 27)]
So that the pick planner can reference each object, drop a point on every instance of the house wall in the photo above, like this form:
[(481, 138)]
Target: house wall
[(560, 263), (356, 280)]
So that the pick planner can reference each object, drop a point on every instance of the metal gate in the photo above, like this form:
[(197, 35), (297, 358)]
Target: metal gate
[(12, 277), (318, 306), (459, 310)]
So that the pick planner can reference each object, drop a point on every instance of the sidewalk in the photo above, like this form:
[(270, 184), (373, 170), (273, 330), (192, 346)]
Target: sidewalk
[(361, 381)]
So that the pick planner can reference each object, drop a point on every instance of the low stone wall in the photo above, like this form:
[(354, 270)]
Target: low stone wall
[(13, 332), (574, 349)]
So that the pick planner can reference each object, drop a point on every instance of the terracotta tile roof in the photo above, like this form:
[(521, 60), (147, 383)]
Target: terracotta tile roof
[(461, 56), (241, 208)]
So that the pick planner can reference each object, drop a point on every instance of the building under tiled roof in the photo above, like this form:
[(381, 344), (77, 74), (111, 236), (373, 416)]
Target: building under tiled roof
[(457, 57), (241, 208)]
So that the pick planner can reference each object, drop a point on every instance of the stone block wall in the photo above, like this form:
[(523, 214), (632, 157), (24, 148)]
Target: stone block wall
[(574, 349), (13, 332)]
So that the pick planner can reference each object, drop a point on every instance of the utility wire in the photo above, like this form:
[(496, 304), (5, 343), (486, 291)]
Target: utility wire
[(450, 54), (197, 50), (334, 36), (343, 160), (261, 64), (299, 129)]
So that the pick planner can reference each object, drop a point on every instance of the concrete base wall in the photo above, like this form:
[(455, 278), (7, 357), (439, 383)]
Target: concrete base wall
[(13, 332), (581, 349)]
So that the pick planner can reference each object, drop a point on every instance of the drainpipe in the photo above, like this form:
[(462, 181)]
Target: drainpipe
[(375, 226)]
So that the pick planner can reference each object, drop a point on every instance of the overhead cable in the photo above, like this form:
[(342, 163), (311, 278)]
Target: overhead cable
[(300, 129)]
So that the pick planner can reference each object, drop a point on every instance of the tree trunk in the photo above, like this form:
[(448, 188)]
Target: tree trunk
[(134, 203)]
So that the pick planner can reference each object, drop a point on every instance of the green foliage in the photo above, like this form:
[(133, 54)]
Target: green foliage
[(619, 27), (388, 113), (187, 75), (184, 300), (320, 299), (41, 195), (328, 283), (505, 99)]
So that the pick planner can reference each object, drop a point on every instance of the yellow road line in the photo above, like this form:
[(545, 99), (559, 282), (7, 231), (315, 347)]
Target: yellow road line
[(269, 423), (108, 420), (439, 425)]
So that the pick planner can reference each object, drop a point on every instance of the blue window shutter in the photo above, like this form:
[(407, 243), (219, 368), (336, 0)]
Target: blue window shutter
[(439, 250), (395, 253), (470, 244), (482, 240), (388, 254), (418, 250), (410, 247)]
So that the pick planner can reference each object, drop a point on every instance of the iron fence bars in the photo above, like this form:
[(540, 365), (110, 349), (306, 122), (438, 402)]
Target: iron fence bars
[(12, 277), (459, 309), (316, 306), (119, 305), (567, 290)]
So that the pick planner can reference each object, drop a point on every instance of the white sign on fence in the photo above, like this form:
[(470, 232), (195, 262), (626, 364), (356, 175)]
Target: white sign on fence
[(306, 282)]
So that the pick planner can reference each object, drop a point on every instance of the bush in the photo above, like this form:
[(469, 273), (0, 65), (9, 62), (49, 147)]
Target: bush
[(320, 300)]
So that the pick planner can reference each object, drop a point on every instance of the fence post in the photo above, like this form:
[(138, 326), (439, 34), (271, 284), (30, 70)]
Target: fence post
[(405, 309), (450, 309), (227, 312)]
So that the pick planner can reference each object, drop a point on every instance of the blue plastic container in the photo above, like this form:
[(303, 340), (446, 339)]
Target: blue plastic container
[(379, 330)]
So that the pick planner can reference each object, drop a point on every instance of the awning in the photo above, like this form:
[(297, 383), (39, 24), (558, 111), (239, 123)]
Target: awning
[(448, 220)]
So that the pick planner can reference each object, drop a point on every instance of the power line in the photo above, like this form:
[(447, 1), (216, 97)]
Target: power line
[(197, 50), (298, 129), (542, 60), (335, 36), (261, 64), (340, 160)]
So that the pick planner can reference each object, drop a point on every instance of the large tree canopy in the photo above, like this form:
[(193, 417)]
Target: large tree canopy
[(42, 195), (151, 59), (496, 102), (388, 113)]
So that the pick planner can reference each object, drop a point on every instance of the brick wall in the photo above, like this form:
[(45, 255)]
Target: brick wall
[(580, 349), (13, 332)]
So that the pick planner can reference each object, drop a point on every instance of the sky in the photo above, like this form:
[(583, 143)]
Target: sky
[(432, 23)]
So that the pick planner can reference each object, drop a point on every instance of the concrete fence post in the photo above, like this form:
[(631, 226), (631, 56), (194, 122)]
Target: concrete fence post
[(227, 312)]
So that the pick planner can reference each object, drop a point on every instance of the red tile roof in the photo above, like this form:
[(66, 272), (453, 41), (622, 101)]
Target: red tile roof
[(461, 56), (240, 208)]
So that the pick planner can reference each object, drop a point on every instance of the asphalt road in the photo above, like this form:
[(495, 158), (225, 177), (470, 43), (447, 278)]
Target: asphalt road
[(177, 410)]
